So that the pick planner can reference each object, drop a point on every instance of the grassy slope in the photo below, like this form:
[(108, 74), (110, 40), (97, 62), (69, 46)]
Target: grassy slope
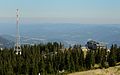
[(109, 71)]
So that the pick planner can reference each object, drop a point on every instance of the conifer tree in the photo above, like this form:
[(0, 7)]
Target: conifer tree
[(90, 59), (112, 56)]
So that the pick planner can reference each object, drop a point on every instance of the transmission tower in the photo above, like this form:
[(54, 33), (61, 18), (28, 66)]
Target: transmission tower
[(17, 46)]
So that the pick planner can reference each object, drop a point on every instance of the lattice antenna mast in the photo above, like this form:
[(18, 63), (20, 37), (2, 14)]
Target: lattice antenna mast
[(17, 47)]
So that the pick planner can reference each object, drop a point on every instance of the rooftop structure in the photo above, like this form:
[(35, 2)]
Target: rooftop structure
[(95, 45)]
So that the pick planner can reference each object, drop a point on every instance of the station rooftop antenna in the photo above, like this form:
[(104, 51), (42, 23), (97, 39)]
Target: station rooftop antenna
[(17, 46)]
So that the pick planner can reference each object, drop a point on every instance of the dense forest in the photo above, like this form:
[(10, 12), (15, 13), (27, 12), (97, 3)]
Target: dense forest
[(54, 59)]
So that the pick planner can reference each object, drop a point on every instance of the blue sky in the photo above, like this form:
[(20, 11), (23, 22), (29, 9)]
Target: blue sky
[(68, 11)]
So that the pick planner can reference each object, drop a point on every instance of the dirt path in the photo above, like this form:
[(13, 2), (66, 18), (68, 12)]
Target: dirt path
[(109, 71)]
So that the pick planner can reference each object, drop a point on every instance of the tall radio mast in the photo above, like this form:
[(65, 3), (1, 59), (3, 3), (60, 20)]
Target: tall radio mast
[(17, 47)]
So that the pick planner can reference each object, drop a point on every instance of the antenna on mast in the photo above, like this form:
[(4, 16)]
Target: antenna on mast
[(17, 46)]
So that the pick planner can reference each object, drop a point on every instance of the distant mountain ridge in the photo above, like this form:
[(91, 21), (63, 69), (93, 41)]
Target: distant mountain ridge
[(4, 43), (23, 40), (68, 34)]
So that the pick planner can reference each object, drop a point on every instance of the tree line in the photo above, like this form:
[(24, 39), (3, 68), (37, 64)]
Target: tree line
[(54, 59)]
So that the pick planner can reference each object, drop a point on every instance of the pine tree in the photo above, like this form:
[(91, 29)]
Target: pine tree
[(67, 60), (112, 56), (118, 54), (41, 65), (72, 65), (90, 59)]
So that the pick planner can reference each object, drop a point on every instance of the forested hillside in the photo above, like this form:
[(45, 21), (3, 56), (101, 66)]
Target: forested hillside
[(54, 59), (5, 43)]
